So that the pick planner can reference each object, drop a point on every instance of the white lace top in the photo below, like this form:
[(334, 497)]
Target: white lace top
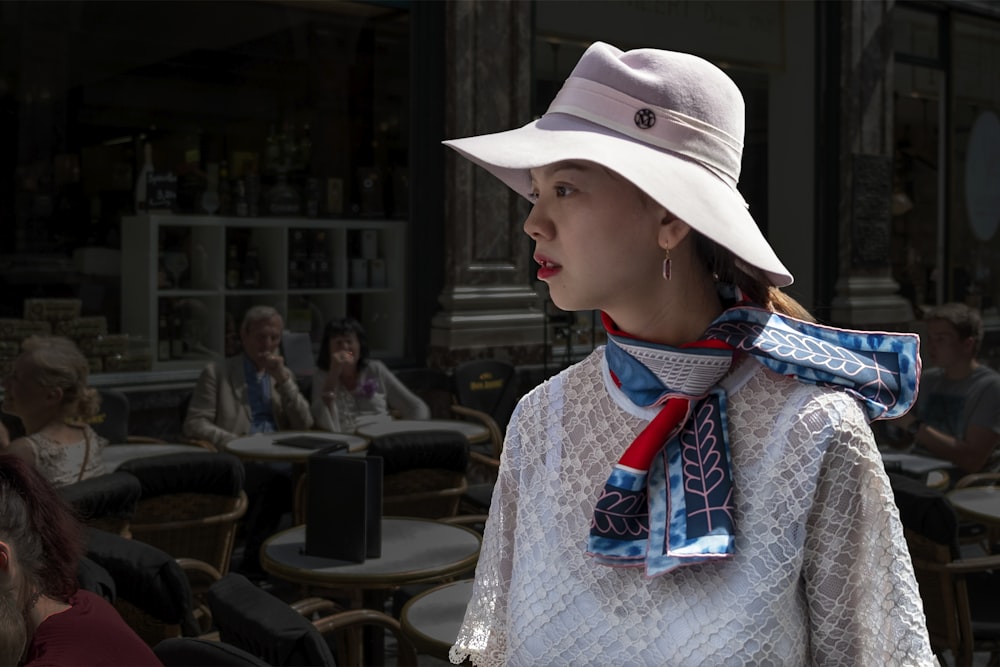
[(820, 575), (62, 464)]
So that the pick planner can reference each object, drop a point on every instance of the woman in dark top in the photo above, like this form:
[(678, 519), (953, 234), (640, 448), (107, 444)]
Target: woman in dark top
[(40, 550)]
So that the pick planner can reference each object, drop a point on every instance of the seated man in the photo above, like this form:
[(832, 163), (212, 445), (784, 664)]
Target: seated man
[(957, 415), (252, 392)]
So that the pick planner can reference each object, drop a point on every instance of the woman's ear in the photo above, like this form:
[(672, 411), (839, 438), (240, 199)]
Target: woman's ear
[(5, 562), (673, 230)]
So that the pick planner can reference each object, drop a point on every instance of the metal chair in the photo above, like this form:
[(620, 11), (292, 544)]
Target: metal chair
[(265, 626), (959, 594)]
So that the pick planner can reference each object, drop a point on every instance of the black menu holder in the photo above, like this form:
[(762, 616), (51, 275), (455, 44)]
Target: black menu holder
[(344, 506)]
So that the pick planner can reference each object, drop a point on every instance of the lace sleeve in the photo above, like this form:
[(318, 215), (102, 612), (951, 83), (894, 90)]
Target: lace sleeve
[(864, 607), (483, 636)]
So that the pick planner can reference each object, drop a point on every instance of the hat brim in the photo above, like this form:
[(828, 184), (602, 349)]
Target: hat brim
[(685, 188)]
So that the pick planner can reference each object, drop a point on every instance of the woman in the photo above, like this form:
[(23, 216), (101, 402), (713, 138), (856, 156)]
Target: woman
[(705, 489), (349, 389), (40, 549), (47, 389)]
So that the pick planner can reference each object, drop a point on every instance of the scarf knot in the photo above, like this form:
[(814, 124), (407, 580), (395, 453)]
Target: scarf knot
[(668, 501)]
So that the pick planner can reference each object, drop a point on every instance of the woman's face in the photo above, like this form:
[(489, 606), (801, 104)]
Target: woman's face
[(596, 238), (346, 342)]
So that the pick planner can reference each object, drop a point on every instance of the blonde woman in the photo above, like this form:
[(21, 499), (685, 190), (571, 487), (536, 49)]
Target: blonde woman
[(47, 389)]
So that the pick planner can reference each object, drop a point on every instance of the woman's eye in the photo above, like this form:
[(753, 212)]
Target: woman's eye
[(533, 197), (563, 190)]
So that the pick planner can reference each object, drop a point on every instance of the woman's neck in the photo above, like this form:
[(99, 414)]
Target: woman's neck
[(42, 609)]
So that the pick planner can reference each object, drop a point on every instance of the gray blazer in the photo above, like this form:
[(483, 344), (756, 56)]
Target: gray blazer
[(219, 410)]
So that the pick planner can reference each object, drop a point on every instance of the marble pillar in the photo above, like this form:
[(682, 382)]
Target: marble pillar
[(488, 305), (867, 296)]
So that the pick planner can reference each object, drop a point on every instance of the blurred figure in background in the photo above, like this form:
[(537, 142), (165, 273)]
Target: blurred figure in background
[(253, 392), (957, 416), (47, 389), (40, 550), (351, 389)]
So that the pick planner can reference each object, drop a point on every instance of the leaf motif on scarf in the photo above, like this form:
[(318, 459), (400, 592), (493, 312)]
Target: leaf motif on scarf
[(621, 514), (708, 493), (875, 376)]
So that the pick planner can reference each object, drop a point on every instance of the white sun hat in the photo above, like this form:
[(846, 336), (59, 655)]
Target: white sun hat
[(670, 123)]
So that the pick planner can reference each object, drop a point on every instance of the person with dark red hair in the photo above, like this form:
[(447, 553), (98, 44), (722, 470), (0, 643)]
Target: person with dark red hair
[(41, 546)]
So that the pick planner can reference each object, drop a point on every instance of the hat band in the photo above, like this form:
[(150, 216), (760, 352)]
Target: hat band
[(711, 147)]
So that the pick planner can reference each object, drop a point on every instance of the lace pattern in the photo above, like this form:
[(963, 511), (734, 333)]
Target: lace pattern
[(60, 464), (820, 573)]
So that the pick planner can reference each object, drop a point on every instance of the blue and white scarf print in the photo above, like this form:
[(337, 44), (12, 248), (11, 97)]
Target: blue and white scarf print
[(668, 502)]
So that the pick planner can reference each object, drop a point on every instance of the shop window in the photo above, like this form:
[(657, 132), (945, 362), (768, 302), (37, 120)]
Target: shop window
[(300, 106)]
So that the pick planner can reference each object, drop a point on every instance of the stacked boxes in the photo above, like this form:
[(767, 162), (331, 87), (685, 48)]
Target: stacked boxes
[(104, 351)]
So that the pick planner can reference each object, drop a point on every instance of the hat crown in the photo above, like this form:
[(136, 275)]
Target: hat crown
[(679, 85)]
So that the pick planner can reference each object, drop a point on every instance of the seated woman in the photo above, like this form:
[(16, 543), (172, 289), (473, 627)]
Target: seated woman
[(349, 389), (40, 549), (47, 388)]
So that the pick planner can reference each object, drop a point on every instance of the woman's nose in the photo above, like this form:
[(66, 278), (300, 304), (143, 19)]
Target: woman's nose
[(537, 225)]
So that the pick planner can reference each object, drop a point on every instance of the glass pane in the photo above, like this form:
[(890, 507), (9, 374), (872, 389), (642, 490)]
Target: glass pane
[(915, 33), (973, 243), (915, 247)]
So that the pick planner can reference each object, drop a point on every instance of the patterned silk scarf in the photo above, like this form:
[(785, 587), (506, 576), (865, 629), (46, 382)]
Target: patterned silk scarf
[(669, 500)]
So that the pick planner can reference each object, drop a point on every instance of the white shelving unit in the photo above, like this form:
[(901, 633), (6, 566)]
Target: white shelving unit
[(200, 304)]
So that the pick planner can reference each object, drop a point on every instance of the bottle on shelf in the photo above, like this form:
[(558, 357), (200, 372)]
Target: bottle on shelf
[(225, 190), (163, 334), (234, 270), (210, 200), (251, 269), (176, 334), (143, 178), (241, 205), (282, 199)]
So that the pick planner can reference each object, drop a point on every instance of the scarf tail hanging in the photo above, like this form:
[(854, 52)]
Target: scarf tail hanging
[(669, 500)]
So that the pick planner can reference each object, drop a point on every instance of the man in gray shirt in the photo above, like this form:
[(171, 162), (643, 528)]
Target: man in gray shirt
[(957, 416)]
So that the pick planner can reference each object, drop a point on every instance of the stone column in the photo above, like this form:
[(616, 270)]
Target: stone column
[(488, 305), (867, 296)]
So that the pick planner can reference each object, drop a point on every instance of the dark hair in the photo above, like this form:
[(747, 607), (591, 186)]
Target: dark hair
[(41, 528), (967, 321), (339, 327), (727, 268)]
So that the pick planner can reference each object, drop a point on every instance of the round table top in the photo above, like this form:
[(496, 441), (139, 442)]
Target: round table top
[(473, 431), (262, 446), (413, 550), (115, 455), (980, 502), (433, 618)]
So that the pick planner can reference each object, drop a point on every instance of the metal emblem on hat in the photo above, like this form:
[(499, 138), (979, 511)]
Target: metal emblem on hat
[(645, 118)]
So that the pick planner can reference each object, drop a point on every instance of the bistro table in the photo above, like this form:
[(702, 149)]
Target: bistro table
[(472, 431), (413, 551), (115, 455), (433, 618), (264, 446), (980, 503)]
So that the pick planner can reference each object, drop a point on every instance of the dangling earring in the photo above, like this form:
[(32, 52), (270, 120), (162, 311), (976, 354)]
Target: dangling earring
[(666, 265)]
